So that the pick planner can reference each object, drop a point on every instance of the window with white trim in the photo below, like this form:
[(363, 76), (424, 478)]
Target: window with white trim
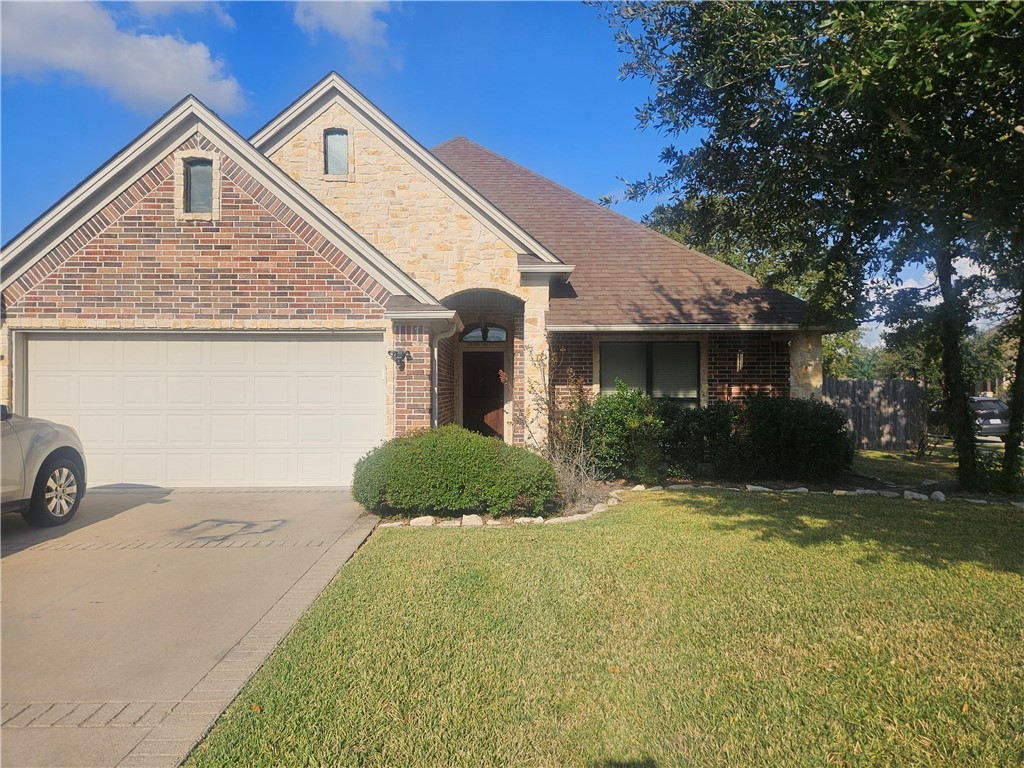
[(197, 185), (335, 152), (663, 369)]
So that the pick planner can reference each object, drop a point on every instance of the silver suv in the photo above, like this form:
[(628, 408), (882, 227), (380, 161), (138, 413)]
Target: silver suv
[(43, 469)]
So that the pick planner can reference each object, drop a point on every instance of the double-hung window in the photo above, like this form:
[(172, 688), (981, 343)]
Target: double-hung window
[(664, 369)]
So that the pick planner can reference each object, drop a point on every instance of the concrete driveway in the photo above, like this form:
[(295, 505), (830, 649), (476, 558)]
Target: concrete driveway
[(127, 631)]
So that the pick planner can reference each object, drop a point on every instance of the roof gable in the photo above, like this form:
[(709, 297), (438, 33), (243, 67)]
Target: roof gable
[(187, 118), (627, 276), (334, 89)]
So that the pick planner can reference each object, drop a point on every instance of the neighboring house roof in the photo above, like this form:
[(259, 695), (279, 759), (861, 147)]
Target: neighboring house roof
[(186, 118), (626, 275), (333, 88)]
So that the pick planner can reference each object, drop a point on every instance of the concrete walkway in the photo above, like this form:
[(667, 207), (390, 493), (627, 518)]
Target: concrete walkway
[(127, 631)]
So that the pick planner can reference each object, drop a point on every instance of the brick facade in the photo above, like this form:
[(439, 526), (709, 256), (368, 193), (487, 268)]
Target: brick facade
[(135, 260), (135, 265), (763, 368), (446, 381), (572, 358), (412, 379), (737, 365)]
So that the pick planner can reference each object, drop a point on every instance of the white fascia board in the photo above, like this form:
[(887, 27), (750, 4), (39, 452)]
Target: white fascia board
[(548, 269), (275, 134), (187, 118), (46, 232), (424, 316), (676, 327)]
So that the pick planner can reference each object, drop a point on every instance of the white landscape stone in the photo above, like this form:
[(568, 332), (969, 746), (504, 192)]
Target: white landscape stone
[(390, 525), (494, 522), (528, 520), (655, 488), (914, 496), (472, 520), (600, 508), (982, 501), (865, 492), (801, 489), (678, 487), (612, 501), (929, 482), (638, 488), (889, 494), (938, 496), (757, 488), (1018, 504), (841, 492), (422, 522)]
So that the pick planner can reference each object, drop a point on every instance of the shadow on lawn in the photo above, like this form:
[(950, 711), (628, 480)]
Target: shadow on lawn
[(934, 534)]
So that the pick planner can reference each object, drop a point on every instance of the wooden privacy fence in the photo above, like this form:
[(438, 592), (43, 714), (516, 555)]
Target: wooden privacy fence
[(881, 414)]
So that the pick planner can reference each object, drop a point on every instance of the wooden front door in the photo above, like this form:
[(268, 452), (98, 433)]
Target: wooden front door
[(483, 394)]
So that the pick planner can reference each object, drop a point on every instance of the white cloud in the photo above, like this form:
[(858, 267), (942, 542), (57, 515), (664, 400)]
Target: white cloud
[(140, 70), (358, 24)]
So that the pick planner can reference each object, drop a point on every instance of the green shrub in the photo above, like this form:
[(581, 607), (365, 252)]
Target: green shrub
[(624, 434), (698, 441), (451, 470), (767, 438), (792, 439)]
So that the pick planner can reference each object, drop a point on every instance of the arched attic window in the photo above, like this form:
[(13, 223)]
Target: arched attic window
[(480, 332)]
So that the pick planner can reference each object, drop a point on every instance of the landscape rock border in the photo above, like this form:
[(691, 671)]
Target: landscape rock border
[(476, 521)]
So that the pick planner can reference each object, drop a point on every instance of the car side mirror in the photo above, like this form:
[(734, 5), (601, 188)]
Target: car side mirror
[(5, 413)]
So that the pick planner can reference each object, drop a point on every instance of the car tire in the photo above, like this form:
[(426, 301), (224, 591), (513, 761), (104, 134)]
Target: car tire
[(57, 493)]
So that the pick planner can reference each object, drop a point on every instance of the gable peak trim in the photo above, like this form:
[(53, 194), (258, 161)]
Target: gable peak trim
[(334, 88)]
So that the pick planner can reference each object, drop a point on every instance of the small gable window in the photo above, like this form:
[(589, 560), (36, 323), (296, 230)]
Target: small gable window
[(480, 332), (199, 185), (336, 152)]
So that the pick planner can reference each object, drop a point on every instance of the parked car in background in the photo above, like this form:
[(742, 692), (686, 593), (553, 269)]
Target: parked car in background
[(43, 473), (991, 417)]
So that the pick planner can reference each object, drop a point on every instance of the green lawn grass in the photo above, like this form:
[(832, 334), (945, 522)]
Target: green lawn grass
[(903, 468), (699, 628)]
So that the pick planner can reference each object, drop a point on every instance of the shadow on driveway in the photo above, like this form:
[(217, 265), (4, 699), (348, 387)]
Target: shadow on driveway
[(98, 505)]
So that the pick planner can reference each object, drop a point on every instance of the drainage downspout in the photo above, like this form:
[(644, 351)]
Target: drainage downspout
[(452, 330)]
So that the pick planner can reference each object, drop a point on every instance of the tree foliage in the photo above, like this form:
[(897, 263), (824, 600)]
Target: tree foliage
[(844, 141)]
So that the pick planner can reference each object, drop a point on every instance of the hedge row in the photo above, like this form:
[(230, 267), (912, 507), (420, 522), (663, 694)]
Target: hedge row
[(634, 436)]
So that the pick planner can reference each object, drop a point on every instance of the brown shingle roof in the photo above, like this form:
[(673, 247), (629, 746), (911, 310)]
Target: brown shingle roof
[(626, 274)]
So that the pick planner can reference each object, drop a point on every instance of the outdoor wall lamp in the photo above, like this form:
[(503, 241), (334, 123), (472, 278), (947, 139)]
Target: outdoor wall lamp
[(400, 355)]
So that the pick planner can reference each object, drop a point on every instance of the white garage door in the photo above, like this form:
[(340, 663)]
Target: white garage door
[(213, 410)]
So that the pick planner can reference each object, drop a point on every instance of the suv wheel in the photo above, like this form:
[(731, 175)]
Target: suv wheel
[(57, 494)]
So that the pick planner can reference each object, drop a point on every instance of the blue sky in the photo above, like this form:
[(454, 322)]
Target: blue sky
[(536, 82)]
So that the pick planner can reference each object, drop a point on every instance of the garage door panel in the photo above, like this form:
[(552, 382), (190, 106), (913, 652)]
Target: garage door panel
[(143, 429), (230, 429), (186, 390), (213, 410)]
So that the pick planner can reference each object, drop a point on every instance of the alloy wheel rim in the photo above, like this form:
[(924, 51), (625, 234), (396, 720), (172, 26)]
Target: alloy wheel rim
[(61, 492)]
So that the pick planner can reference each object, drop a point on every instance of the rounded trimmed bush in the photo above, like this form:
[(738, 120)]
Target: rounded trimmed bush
[(451, 470)]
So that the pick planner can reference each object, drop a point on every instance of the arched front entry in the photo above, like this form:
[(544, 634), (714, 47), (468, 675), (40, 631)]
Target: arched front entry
[(480, 369)]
